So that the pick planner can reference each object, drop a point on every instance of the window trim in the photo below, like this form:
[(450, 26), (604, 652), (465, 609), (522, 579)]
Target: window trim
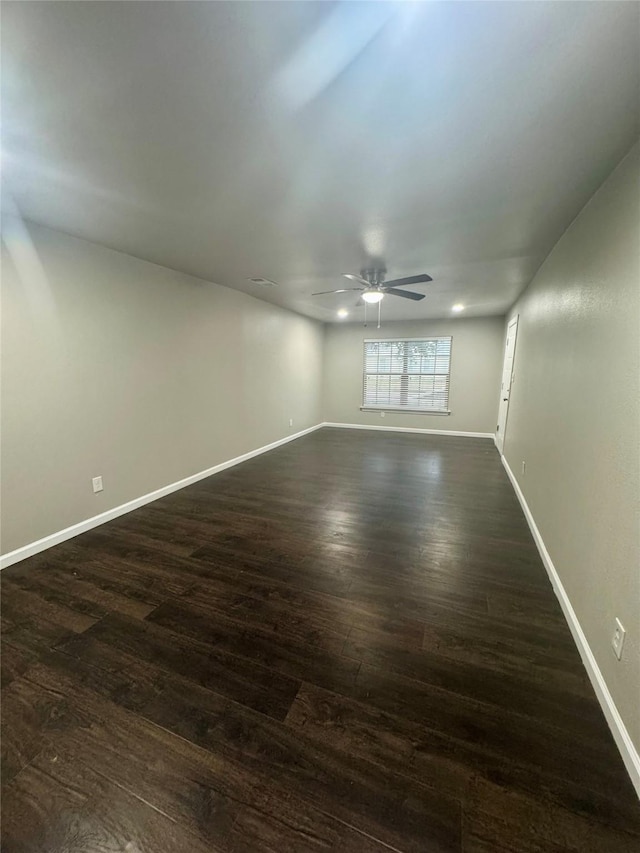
[(407, 411), (369, 407)]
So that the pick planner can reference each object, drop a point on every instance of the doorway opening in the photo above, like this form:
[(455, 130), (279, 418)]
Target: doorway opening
[(507, 382)]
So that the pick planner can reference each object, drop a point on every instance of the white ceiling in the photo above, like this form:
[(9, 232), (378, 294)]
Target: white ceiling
[(297, 141)]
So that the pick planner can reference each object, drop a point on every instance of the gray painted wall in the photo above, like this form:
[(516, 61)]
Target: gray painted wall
[(118, 367), (574, 417), (476, 364), (115, 366)]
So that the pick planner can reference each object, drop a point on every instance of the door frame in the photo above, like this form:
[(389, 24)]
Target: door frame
[(499, 441)]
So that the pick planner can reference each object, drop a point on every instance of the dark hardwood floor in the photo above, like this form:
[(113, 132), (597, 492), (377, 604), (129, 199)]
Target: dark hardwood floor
[(347, 644)]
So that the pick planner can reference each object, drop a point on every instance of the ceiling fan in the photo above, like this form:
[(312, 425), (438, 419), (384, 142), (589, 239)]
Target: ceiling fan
[(375, 287)]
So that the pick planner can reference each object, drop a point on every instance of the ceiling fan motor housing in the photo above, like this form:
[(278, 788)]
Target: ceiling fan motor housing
[(375, 277)]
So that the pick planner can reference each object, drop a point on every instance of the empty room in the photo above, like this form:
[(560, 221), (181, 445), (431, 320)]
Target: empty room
[(320, 427)]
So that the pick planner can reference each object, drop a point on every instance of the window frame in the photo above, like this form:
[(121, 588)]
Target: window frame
[(370, 407)]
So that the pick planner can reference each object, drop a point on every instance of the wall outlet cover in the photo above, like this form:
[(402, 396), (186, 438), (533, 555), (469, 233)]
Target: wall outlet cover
[(97, 484), (617, 640)]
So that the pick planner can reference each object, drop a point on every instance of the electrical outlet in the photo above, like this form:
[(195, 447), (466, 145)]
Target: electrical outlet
[(382, 414), (524, 467), (97, 484), (618, 638), (290, 422)]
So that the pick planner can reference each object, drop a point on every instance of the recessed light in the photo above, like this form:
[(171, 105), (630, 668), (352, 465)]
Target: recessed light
[(342, 313), (457, 308)]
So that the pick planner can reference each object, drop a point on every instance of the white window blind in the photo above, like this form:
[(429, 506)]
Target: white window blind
[(411, 374)]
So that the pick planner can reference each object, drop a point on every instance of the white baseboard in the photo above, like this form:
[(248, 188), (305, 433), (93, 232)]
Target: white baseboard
[(621, 735), (33, 548), (412, 429), (616, 724), (95, 521)]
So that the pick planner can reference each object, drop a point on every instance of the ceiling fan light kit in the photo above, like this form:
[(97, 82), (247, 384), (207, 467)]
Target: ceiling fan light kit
[(375, 288)]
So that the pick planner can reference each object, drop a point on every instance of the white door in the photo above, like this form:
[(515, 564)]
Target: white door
[(507, 381)]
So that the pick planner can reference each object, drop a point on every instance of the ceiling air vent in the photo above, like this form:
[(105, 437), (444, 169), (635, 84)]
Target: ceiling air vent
[(263, 282)]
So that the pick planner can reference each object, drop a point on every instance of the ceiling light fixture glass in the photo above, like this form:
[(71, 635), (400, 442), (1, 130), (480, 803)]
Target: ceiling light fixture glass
[(342, 313), (457, 308), (372, 296)]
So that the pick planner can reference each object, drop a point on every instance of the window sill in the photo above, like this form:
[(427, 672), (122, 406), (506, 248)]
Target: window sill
[(405, 411)]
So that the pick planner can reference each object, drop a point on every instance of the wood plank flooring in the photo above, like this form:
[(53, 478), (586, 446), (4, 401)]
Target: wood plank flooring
[(347, 644)]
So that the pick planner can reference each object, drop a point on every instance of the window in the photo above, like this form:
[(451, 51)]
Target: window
[(410, 375)]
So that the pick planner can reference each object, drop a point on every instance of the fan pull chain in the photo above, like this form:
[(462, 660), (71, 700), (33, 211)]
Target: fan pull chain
[(365, 313), (379, 306)]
